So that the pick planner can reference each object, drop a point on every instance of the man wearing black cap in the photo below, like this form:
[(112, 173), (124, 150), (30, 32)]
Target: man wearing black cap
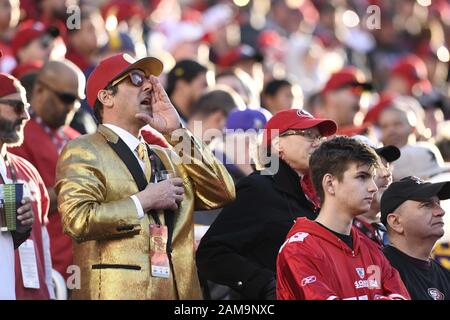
[(369, 223), (411, 212)]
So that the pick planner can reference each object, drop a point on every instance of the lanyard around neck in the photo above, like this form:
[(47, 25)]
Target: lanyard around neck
[(11, 169)]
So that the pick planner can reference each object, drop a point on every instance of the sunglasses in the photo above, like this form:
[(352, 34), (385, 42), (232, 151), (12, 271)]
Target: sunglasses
[(308, 134), (18, 105), (66, 98), (136, 78)]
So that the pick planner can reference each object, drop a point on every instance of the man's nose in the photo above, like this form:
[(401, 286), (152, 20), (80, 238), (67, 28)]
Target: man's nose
[(373, 186), (439, 212), (147, 85)]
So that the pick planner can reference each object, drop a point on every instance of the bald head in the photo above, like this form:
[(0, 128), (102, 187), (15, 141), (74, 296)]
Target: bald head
[(57, 92)]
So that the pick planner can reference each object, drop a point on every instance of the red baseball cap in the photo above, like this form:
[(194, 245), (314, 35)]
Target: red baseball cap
[(414, 71), (296, 119), (26, 68), (346, 77), (386, 100), (115, 66), (30, 30), (240, 53), (10, 85)]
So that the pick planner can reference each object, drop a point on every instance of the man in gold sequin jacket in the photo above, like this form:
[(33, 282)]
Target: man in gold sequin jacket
[(105, 207)]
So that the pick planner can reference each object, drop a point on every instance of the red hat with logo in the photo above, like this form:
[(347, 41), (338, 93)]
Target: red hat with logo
[(9, 85), (30, 30), (296, 119), (346, 77), (115, 66), (414, 71)]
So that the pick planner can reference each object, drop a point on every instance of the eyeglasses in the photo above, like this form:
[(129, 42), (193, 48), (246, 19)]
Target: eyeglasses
[(18, 105), (65, 97), (308, 134), (136, 78)]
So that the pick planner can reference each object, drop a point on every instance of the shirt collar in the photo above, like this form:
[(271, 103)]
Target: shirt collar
[(131, 141)]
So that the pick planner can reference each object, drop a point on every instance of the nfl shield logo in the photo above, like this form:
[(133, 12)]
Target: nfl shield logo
[(360, 272)]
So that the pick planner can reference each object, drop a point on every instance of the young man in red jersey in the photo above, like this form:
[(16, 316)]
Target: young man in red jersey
[(327, 258)]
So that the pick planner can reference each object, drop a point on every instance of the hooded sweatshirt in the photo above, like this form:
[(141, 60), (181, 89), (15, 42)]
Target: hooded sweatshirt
[(314, 264)]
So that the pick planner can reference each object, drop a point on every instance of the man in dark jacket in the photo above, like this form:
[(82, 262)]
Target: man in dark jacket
[(240, 248)]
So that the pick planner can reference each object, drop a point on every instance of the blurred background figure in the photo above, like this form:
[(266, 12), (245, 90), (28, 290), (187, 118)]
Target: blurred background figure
[(57, 92), (238, 147), (341, 98), (210, 113), (281, 95), (9, 19), (83, 44), (185, 83), (409, 77), (422, 159), (244, 58), (402, 122), (35, 41)]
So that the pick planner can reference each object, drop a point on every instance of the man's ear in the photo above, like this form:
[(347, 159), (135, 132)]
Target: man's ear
[(37, 96), (182, 85), (394, 222), (328, 184), (106, 98)]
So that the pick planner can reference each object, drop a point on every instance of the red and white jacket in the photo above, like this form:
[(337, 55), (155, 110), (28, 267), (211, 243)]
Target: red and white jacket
[(314, 264)]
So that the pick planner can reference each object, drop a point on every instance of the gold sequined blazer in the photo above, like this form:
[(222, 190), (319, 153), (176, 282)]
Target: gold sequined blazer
[(111, 246)]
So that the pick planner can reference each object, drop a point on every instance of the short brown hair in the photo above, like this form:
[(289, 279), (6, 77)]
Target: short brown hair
[(335, 156)]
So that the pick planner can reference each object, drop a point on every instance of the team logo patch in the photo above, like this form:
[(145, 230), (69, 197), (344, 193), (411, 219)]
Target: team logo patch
[(435, 294), (128, 58), (304, 113), (308, 280), (360, 272), (298, 237)]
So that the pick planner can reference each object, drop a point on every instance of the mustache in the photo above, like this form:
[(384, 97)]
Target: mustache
[(11, 125), (18, 122)]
